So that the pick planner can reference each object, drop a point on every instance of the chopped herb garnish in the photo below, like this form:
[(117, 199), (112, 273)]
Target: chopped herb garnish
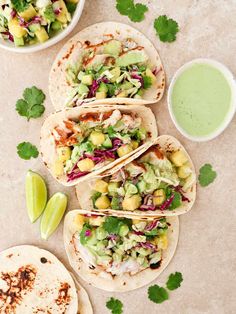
[(206, 175), (136, 12), (26, 150), (115, 305), (174, 281), (157, 294), (166, 28)]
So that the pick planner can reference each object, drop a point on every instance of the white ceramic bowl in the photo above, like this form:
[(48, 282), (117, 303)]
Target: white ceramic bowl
[(50, 42), (229, 77)]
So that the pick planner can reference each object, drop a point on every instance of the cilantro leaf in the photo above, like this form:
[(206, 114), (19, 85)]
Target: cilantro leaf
[(31, 106), (113, 224), (206, 175), (49, 14), (174, 281), (176, 201), (136, 12), (147, 82), (20, 5), (115, 306), (157, 294), (166, 28), (26, 150)]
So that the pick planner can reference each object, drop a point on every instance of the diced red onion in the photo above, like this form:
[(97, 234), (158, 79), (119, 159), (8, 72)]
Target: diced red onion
[(87, 233)]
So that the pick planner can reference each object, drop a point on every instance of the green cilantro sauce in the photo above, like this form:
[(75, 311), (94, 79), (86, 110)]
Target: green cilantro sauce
[(201, 99)]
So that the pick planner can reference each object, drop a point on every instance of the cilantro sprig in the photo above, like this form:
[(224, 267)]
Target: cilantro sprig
[(31, 105), (115, 305), (26, 150), (166, 28), (174, 281), (136, 12), (206, 175)]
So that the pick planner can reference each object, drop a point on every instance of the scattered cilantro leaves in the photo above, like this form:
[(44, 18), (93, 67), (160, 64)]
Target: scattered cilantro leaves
[(20, 5), (136, 12), (157, 294), (147, 82), (115, 306), (31, 104), (26, 150), (166, 28), (174, 281), (206, 175)]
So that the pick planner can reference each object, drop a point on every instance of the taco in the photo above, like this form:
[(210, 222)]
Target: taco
[(33, 280), (80, 142), (109, 61), (119, 253), (159, 182)]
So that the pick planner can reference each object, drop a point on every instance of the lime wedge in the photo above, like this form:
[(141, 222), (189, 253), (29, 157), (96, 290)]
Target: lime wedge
[(36, 195), (53, 214)]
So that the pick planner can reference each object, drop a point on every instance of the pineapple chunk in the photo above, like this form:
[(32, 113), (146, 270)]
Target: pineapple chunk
[(184, 171), (101, 95), (124, 150), (101, 186), (58, 168), (102, 202), (15, 29), (87, 79), (64, 153), (42, 35), (96, 221), (79, 222), (28, 13), (178, 158), (132, 203), (63, 15), (134, 144), (151, 75), (159, 197), (163, 242), (122, 94), (85, 164), (97, 138)]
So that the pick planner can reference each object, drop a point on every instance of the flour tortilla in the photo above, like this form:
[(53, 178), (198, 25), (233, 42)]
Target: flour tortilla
[(105, 281), (97, 33), (40, 282), (48, 148), (168, 144)]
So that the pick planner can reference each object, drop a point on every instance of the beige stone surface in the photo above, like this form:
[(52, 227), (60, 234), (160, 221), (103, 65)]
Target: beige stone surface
[(206, 251)]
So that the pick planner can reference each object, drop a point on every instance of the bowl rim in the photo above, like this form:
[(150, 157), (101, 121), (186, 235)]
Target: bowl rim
[(52, 41), (230, 79)]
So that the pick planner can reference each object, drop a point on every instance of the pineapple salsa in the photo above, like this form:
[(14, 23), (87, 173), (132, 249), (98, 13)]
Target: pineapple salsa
[(26, 22), (111, 69), (95, 140), (148, 183), (121, 245)]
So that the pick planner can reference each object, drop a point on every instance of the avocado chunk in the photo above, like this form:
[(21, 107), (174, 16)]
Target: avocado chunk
[(103, 87), (115, 203), (19, 41), (132, 57), (34, 27), (112, 188), (107, 143), (83, 89), (113, 47)]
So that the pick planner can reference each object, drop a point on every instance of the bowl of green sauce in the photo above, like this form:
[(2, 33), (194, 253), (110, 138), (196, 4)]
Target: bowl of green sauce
[(202, 99)]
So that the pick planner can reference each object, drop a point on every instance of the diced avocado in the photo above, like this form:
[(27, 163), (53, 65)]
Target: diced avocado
[(178, 158), (144, 252), (56, 25), (100, 95), (41, 35), (112, 188), (115, 203), (141, 186), (152, 186), (149, 176), (124, 150), (97, 138), (18, 41), (85, 164), (28, 13), (87, 79), (100, 247), (80, 75), (131, 57), (101, 233), (132, 203), (115, 74), (113, 47), (15, 29), (117, 257), (107, 143), (83, 89), (102, 202), (130, 189), (103, 87), (64, 153), (121, 191), (159, 196), (92, 239), (101, 186), (124, 230), (34, 27), (151, 75), (127, 85)]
